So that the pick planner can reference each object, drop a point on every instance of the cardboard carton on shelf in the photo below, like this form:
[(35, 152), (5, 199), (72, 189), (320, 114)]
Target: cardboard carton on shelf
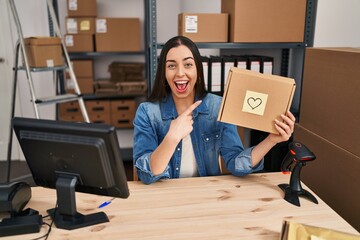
[(79, 42), (117, 35), (86, 85), (44, 51), (254, 100), (204, 27), (110, 88), (82, 8), (80, 25), (265, 21), (126, 72), (83, 68)]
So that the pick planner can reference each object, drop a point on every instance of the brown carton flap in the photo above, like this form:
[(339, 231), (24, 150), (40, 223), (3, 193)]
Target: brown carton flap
[(42, 41)]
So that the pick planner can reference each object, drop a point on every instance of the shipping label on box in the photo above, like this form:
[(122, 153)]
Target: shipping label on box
[(82, 8), (204, 27), (79, 42), (254, 100), (80, 25)]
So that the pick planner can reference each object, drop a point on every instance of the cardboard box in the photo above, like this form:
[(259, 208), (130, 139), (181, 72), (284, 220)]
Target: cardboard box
[(98, 107), (100, 118), (254, 100), (330, 95), (79, 42), (122, 113), (86, 85), (117, 35), (333, 175), (265, 21), (83, 68), (80, 25), (69, 108), (81, 8), (43, 51), (71, 118), (204, 27), (120, 106)]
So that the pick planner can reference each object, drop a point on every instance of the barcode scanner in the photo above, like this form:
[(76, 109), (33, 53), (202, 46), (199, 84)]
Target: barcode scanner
[(295, 159)]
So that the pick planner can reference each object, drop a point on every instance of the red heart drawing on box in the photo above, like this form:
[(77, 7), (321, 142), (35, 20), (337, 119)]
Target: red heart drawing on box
[(254, 102)]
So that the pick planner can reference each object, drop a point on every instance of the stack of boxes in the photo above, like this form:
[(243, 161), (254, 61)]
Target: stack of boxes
[(84, 73), (86, 32), (80, 25), (329, 126), (119, 113), (247, 21)]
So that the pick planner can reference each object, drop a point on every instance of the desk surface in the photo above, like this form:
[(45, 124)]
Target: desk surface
[(224, 207)]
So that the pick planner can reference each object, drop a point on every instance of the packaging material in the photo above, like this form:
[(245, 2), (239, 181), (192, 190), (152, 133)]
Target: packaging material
[(100, 118), (254, 100), (81, 8), (70, 112), (98, 106), (265, 21), (204, 27), (80, 25), (111, 88), (86, 85), (330, 95), (69, 108), (126, 72), (123, 113), (333, 175), (79, 42), (117, 34), (43, 51), (293, 230), (83, 68)]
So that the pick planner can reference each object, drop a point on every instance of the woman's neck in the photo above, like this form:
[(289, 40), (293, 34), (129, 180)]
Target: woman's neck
[(182, 104)]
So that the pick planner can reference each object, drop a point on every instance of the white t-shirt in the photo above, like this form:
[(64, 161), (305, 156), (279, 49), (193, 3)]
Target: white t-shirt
[(188, 166)]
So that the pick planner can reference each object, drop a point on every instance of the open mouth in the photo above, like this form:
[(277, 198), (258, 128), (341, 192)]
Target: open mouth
[(181, 85)]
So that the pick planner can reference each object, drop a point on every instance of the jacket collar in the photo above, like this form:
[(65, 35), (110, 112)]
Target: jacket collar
[(168, 110)]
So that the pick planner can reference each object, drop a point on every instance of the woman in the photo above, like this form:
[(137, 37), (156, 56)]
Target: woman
[(176, 133)]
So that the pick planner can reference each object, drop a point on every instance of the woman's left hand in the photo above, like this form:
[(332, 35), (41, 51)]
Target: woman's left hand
[(285, 128)]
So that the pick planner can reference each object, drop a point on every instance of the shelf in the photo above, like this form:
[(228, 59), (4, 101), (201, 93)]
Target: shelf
[(244, 45), (83, 55), (117, 96), (42, 69)]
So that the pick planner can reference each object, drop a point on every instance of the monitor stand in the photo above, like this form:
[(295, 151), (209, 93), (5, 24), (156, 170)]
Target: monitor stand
[(65, 215)]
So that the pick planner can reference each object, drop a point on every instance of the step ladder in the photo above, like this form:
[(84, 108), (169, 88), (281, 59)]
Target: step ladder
[(57, 71), (20, 49)]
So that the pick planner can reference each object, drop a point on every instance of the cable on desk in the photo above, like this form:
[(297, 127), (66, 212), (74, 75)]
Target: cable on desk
[(46, 235)]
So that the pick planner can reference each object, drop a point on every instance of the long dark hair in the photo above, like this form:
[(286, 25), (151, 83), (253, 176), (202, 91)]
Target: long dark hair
[(161, 88)]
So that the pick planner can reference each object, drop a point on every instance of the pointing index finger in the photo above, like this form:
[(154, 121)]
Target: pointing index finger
[(192, 107)]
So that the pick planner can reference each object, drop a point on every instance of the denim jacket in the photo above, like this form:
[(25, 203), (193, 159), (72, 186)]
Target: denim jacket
[(210, 139)]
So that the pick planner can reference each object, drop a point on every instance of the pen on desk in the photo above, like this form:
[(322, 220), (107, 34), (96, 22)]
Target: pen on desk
[(104, 204)]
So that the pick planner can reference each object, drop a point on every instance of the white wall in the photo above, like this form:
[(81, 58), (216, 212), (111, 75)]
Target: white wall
[(337, 25)]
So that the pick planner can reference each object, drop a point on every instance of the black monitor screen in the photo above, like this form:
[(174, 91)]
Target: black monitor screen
[(66, 155)]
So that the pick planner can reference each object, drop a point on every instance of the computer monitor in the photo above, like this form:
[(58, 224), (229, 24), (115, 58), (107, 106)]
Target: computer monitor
[(73, 157)]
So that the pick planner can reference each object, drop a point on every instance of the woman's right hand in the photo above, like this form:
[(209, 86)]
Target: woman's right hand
[(183, 124)]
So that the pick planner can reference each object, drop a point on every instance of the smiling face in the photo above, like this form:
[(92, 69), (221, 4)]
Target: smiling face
[(180, 72)]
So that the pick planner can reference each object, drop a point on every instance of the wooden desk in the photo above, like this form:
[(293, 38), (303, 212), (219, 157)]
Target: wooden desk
[(224, 207)]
